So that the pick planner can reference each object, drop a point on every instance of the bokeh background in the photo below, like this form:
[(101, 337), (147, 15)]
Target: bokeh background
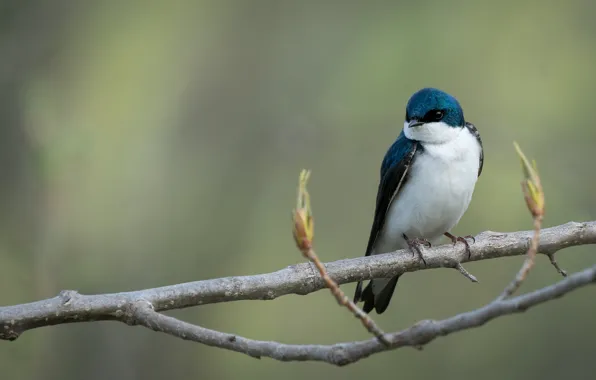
[(151, 143)]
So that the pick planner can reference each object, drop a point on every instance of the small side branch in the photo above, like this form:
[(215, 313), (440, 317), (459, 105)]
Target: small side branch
[(303, 231), (528, 262), (534, 197), (343, 300), (460, 268), (554, 263)]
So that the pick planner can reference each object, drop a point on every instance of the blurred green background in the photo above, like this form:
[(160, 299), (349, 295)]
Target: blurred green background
[(151, 143)]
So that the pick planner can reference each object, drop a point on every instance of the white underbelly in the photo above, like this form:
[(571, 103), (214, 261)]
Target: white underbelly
[(432, 201)]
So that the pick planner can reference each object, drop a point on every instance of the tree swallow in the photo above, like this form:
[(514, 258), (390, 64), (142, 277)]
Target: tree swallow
[(427, 180)]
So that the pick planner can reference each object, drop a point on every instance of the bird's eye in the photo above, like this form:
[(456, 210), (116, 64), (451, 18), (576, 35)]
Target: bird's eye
[(433, 116)]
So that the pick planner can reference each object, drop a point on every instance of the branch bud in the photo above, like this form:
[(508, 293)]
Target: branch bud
[(531, 186), (303, 229)]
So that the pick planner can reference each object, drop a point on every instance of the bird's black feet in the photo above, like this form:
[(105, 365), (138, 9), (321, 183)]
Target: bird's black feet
[(415, 244), (455, 239)]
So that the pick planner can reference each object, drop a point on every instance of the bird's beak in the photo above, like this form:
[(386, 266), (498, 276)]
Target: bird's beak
[(414, 123)]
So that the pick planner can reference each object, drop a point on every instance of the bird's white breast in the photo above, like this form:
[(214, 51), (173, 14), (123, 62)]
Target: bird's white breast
[(437, 193)]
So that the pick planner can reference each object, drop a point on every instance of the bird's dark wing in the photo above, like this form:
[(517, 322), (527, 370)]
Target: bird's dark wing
[(394, 174), (476, 134)]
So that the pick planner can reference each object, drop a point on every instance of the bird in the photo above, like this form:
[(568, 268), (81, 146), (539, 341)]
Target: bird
[(427, 179)]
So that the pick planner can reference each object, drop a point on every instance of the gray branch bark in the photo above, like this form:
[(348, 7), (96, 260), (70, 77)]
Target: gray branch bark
[(142, 307)]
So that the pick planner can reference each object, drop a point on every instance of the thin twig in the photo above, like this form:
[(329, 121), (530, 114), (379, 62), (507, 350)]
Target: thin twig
[(303, 232), (534, 197), (528, 262), (562, 272), (465, 273), (343, 300)]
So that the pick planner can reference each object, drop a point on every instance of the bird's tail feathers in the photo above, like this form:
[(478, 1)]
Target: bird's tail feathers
[(377, 294), (358, 292)]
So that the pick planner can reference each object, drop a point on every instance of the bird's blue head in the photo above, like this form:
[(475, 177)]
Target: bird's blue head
[(429, 112), (431, 105)]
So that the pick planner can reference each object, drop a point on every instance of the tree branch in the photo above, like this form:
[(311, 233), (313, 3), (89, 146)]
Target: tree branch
[(142, 307), (296, 279)]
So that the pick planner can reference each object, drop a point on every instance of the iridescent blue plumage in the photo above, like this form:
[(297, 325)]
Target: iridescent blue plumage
[(396, 152), (424, 103)]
